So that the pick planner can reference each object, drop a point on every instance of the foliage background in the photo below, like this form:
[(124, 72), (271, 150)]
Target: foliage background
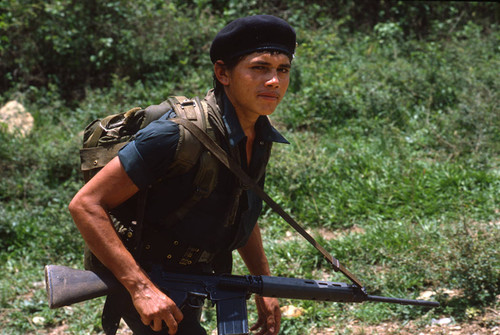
[(393, 120)]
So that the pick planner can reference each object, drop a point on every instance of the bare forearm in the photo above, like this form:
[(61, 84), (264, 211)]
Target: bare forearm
[(97, 230), (253, 254), (256, 261), (89, 209)]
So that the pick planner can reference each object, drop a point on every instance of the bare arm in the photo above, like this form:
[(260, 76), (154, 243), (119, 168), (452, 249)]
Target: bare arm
[(256, 261), (253, 254), (89, 209)]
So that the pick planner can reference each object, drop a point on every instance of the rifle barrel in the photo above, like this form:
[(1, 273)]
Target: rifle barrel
[(309, 289)]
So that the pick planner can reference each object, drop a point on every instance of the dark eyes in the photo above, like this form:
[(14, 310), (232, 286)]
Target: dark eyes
[(265, 68)]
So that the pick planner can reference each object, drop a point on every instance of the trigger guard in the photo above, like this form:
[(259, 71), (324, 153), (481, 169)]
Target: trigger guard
[(194, 300)]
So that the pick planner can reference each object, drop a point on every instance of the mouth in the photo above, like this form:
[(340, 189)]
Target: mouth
[(269, 95)]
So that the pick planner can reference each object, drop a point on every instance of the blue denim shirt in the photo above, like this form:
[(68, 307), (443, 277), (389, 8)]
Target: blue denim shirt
[(148, 157)]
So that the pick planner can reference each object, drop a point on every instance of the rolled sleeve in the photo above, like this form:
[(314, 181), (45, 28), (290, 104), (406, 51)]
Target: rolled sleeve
[(148, 157)]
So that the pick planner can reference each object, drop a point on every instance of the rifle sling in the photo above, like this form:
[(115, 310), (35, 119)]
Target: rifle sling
[(236, 169)]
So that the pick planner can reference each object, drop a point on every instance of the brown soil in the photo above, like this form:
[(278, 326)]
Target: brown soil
[(487, 324)]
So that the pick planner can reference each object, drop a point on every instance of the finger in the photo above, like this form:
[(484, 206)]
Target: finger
[(171, 324), (271, 324), (177, 313), (257, 325), (146, 321), (278, 326), (157, 325), (277, 318), (260, 327)]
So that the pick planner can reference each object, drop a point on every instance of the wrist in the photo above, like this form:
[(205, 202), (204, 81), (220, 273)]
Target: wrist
[(135, 280)]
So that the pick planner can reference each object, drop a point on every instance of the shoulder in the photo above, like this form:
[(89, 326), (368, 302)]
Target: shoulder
[(149, 155), (158, 129)]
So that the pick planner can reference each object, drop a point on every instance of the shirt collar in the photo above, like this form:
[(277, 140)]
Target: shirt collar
[(263, 128)]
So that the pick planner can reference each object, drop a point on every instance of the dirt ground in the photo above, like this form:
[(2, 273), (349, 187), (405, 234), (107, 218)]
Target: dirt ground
[(487, 324)]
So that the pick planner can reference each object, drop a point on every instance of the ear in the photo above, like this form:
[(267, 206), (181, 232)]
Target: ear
[(221, 72)]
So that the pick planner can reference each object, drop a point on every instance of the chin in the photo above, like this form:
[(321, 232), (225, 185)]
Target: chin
[(268, 110)]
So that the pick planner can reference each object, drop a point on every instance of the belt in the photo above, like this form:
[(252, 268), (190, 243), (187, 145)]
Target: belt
[(174, 252)]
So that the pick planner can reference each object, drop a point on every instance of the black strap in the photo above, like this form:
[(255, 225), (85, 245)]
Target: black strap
[(235, 168), (112, 312), (141, 211)]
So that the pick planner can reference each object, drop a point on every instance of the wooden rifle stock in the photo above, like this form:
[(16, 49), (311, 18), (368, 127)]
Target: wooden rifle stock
[(66, 286)]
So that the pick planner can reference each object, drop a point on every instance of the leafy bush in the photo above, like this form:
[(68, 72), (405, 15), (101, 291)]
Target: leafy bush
[(76, 44), (411, 85), (94, 40)]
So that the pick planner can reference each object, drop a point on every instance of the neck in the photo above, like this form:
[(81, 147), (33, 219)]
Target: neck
[(248, 126), (247, 122), (246, 119)]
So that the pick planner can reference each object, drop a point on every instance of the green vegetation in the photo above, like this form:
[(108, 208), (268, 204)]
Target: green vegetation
[(393, 120)]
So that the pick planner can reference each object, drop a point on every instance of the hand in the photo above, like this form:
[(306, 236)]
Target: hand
[(269, 316), (155, 307)]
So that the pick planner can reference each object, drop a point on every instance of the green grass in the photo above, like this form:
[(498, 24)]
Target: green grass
[(394, 152)]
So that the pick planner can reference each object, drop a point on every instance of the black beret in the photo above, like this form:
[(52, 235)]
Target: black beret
[(253, 33)]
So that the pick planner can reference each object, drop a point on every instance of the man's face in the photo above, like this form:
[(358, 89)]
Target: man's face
[(256, 85)]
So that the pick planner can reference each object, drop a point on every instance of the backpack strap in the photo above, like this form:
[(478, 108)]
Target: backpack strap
[(190, 152)]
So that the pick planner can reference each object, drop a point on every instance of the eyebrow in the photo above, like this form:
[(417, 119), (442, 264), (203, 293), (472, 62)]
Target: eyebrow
[(259, 62)]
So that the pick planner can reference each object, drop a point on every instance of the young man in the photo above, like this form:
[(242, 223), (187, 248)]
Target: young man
[(252, 59)]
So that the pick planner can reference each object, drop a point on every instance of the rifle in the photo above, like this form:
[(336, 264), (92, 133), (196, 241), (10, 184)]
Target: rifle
[(229, 293)]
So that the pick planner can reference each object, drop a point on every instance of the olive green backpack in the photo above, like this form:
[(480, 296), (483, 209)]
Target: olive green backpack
[(103, 138)]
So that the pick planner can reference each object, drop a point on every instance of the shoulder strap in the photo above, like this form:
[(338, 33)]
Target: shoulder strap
[(188, 150), (189, 153), (222, 156)]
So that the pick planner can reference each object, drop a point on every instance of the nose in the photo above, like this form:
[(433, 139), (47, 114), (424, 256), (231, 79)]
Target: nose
[(273, 80)]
